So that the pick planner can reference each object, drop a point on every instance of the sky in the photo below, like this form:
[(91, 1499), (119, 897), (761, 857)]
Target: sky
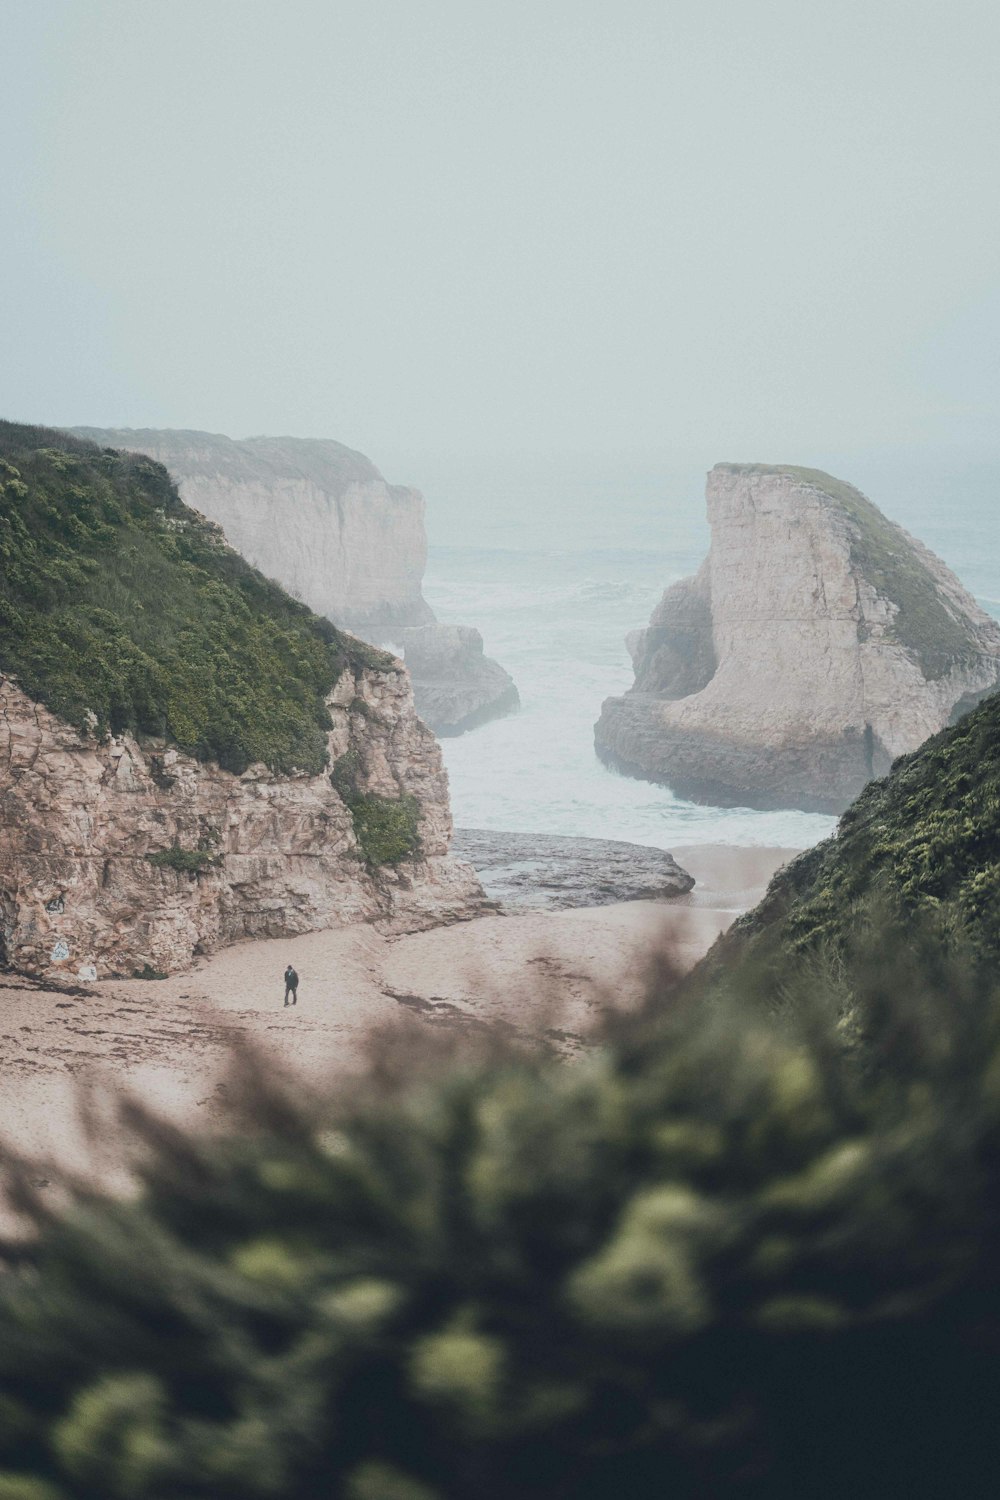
[(754, 228)]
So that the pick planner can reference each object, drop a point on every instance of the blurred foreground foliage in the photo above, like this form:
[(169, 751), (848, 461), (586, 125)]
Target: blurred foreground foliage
[(920, 846), (748, 1245), (123, 610), (723, 1254)]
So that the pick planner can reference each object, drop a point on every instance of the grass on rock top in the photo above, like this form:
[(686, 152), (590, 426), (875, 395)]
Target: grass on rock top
[(118, 602), (887, 557)]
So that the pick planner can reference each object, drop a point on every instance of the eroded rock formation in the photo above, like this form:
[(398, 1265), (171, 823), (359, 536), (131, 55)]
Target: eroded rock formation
[(818, 641), (455, 686), (553, 872), (310, 513), (267, 855)]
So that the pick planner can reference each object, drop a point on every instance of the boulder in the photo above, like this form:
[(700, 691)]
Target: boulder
[(551, 871), (456, 687)]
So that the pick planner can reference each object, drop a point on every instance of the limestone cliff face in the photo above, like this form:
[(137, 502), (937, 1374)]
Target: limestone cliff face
[(455, 686), (310, 513), (79, 818), (817, 642)]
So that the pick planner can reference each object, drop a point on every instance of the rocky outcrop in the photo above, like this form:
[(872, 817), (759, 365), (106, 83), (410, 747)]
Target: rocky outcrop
[(314, 515), (117, 857), (818, 641), (455, 686), (547, 871)]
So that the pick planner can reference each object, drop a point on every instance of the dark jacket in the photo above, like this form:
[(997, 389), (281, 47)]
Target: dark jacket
[(291, 978)]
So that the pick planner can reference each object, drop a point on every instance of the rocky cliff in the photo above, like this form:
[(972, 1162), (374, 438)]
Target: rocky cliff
[(455, 686), (309, 512), (817, 642), (117, 858), (187, 756)]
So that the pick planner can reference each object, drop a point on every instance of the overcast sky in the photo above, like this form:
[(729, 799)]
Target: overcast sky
[(754, 227)]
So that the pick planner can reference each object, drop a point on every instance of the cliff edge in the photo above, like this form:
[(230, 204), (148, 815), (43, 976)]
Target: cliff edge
[(818, 642)]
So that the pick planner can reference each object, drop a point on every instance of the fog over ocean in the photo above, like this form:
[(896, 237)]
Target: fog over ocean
[(554, 566)]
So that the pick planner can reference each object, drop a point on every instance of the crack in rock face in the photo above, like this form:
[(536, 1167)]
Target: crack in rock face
[(818, 642)]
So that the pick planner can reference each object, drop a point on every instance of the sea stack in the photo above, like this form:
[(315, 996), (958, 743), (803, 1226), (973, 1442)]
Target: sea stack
[(455, 686), (817, 642)]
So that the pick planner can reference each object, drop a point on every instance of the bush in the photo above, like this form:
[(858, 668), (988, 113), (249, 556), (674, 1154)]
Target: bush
[(387, 828), (184, 861), (919, 848), (346, 774)]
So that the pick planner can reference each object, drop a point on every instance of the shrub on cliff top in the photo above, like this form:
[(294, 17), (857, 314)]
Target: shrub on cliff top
[(715, 1258), (118, 601)]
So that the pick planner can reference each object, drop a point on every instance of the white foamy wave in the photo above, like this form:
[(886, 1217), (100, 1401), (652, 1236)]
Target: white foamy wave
[(558, 622)]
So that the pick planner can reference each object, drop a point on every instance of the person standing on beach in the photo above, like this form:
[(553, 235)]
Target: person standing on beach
[(291, 986)]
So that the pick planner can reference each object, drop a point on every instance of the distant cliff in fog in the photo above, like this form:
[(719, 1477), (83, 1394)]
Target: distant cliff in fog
[(320, 520), (312, 514)]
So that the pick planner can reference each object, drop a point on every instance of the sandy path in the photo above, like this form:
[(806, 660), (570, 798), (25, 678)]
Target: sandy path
[(167, 1040)]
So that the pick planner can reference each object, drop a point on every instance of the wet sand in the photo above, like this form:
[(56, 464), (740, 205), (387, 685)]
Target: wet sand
[(535, 974)]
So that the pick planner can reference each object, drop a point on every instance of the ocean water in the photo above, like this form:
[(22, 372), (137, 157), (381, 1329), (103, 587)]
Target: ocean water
[(555, 566)]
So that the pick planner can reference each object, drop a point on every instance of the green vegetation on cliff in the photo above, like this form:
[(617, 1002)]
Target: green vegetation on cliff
[(184, 861), (890, 561), (121, 605), (387, 828), (920, 846)]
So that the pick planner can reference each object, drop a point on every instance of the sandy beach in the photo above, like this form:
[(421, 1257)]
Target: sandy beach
[(536, 975)]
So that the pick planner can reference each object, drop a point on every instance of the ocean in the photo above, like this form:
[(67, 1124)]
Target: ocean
[(555, 563)]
